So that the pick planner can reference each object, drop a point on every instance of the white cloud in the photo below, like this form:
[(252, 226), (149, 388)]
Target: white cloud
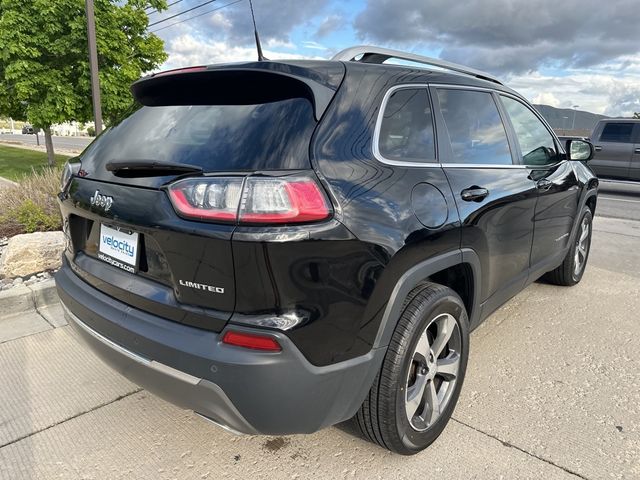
[(313, 45), (595, 92), (219, 21), (186, 50), (275, 43), (546, 98), (330, 24)]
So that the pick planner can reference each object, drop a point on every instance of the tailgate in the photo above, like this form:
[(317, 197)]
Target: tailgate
[(180, 270)]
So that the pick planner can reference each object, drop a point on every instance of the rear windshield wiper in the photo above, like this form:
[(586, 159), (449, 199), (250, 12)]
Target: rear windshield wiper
[(149, 168)]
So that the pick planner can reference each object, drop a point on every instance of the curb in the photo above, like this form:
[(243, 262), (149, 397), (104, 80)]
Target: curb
[(7, 181), (24, 298)]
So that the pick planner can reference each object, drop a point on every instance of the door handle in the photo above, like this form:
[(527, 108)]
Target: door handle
[(597, 148), (474, 194), (637, 150), (544, 184)]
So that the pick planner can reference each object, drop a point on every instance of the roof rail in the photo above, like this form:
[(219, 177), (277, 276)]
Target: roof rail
[(371, 54)]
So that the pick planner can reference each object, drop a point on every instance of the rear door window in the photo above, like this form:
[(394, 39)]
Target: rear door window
[(617, 132), (475, 129), (406, 130)]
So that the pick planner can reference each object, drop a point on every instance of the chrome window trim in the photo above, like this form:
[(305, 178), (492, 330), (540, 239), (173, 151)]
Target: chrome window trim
[(481, 165), (376, 132), (436, 163)]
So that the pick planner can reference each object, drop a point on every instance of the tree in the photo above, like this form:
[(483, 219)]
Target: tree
[(636, 115), (44, 59)]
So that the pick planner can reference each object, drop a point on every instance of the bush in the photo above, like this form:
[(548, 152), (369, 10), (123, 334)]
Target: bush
[(91, 131), (35, 219), (31, 205)]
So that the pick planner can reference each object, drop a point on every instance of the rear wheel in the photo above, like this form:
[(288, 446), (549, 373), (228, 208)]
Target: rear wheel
[(572, 268), (417, 388)]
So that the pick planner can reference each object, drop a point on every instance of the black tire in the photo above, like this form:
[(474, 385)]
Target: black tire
[(383, 418), (569, 273)]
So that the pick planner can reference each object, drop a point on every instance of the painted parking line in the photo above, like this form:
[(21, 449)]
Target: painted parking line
[(618, 199)]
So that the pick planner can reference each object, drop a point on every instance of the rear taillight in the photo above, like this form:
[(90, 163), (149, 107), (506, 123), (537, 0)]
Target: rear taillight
[(252, 341), (254, 200), (207, 199), (69, 171)]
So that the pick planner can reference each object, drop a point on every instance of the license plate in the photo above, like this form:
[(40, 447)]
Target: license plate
[(119, 248)]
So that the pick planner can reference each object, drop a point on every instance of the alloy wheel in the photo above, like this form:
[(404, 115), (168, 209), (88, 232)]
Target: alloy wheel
[(433, 371), (582, 247)]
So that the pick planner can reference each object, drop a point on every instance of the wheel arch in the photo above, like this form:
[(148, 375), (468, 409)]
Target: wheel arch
[(589, 202), (433, 269)]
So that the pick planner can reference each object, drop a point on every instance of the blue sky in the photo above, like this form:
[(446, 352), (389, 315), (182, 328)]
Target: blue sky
[(575, 52)]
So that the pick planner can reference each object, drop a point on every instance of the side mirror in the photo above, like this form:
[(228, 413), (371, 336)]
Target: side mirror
[(580, 150)]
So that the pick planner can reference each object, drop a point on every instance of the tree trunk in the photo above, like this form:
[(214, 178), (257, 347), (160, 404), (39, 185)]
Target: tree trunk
[(48, 141)]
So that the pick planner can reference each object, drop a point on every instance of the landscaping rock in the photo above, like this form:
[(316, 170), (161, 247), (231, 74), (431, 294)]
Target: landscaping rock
[(3, 245), (31, 253)]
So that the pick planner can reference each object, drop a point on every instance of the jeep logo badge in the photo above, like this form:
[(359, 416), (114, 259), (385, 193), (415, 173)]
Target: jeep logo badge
[(103, 201)]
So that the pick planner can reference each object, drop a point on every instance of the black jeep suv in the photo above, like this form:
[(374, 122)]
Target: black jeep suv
[(283, 246)]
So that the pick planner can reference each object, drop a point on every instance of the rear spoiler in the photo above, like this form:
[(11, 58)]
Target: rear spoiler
[(242, 84)]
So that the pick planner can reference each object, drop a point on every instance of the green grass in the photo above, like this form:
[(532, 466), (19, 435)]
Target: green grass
[(15, 163)]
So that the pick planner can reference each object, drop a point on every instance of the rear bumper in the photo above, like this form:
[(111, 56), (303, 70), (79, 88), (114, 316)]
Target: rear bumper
[(246, 391), (173, 385)]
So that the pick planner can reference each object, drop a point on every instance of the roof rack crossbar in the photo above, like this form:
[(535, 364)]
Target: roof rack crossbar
[(371, 54)]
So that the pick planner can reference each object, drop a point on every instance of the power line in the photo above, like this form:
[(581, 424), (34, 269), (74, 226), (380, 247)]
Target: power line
[(196, 16), (182, 13), (153, 10)]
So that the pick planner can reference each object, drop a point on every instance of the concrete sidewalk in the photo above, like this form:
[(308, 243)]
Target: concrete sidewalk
[(26, 310), (552, 391)]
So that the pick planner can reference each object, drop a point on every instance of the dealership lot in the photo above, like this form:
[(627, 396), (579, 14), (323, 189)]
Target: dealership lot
[(552, 391)]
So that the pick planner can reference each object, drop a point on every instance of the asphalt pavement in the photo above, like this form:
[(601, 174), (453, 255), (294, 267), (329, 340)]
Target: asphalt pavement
[(619, 200), (552, 391), (62, 143)]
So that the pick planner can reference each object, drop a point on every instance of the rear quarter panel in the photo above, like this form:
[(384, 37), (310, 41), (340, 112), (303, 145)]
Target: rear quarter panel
[(374, 199)]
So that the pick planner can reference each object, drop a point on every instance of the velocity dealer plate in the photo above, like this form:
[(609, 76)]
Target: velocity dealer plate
[(119, 248)]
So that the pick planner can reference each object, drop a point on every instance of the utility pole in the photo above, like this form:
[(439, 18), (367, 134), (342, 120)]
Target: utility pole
[(573, 124), (93, 64)]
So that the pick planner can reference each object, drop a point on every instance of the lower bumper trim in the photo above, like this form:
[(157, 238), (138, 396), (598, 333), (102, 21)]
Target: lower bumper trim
[(186, 391), (159, 367)]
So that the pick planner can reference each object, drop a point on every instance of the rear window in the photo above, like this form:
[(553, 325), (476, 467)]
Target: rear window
[(617, 132), (273, 135)]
